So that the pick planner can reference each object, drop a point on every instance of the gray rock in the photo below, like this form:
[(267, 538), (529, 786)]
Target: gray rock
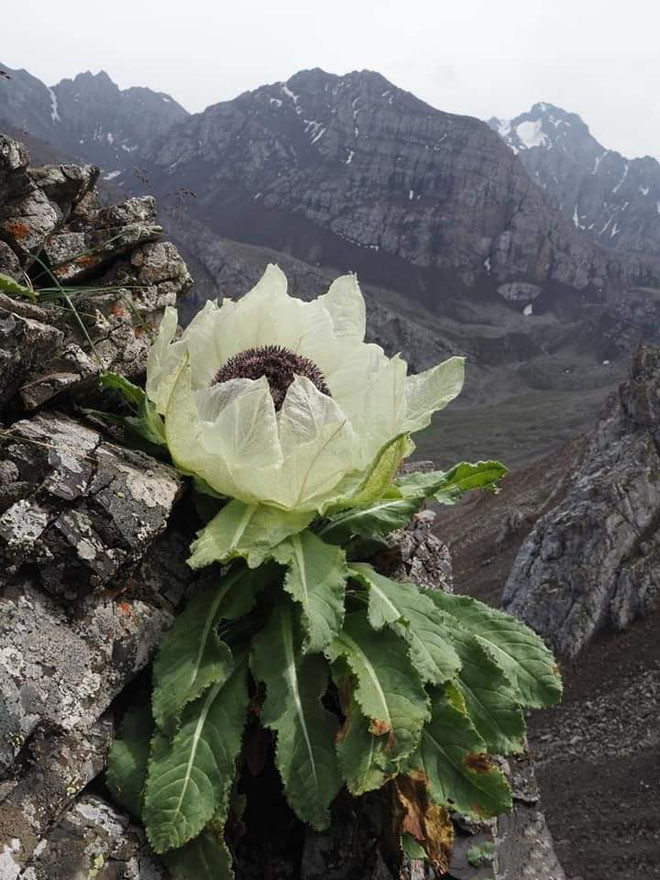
[(92, 841), (59, 346), (9, 262), (115, 503), (25, 344), (353, 170), (591, 561)]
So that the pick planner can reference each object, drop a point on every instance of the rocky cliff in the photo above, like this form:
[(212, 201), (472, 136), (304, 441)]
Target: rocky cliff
[(93, 538), (613, 199), (591, 561), (326, 167)]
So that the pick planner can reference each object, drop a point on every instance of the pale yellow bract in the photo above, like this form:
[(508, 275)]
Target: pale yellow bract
[(305, 456)]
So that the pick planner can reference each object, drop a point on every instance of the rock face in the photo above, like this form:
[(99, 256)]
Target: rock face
[(614, 200), (593, 560), (88, 117), (373, 167), (53, 226), (92, 567)]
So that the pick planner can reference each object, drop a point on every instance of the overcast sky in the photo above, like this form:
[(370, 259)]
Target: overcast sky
[(481, 57)]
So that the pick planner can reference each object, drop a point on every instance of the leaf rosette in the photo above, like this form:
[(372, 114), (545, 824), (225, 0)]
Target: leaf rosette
[(296, 429)]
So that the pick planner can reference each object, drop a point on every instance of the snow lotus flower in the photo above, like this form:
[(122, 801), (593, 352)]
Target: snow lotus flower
[(279, 402)]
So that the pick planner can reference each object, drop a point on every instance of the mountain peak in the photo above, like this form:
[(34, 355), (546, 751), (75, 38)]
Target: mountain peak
[(544, 125)]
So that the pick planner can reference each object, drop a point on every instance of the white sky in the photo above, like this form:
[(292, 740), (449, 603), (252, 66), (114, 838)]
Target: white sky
[(598, 58)]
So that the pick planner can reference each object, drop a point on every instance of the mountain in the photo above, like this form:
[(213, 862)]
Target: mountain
[(87, 117), (614, 200), (350, 170)]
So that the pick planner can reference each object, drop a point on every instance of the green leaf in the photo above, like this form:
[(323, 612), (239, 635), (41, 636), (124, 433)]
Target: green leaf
[(452, 761), (523, 657), (190, 783), (382, 516), (363, 759), (243, 530), (412, 848), (379, 478), (397, 505), (449, 487), (426, 629), (131, 393), (388, 689), (316, 579), (305, 755), (10, 285), (148, 424), (191, 656), (206, 857), (490, 700), (127, 762)]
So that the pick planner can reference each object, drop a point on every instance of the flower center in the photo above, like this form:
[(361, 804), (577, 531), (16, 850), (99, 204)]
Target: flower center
[(279, 365)]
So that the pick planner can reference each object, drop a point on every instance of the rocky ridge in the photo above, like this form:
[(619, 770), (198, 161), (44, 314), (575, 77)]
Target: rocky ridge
[(591, 561), (325, 166), (93, 539), (613, 199), (88, 117)]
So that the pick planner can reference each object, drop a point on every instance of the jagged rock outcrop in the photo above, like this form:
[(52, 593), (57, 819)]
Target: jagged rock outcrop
[(108, 277), (614, 200), (592, 561), (92, 567), (93, 542), (87, 117)]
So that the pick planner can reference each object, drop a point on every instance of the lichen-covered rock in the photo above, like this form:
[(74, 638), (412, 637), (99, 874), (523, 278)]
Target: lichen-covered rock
[(92, 841), (52, 215), (60, 766), (115, 230), (591, 561), (24, 346), (91, 509)]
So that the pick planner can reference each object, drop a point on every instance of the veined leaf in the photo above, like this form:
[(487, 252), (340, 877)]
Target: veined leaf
[(205, 857), (316, 579), (520, 653), (397, 505), (452, 761), (148, 423), (388, 689), (191, 656), (380, 476), (363, 759), (189, 784), (127, 762), (382, 516), (242, 530), (426, 629), (305, 755), (450, 486), (490, 700)]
